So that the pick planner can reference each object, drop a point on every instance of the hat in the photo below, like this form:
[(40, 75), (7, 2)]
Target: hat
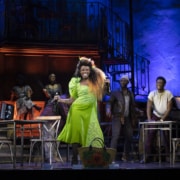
[(125, 77)]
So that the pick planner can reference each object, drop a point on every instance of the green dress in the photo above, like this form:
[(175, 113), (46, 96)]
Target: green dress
[(82, 124)]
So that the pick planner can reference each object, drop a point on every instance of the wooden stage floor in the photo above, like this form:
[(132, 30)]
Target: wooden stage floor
[(122, 169)]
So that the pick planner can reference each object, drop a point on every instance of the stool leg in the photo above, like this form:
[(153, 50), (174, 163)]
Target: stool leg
[(32, 144), (10, 148), (50, 153), (57, 149), (174, 151), (30, 152)]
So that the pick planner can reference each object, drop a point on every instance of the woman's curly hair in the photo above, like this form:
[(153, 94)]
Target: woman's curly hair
[(96, 78)]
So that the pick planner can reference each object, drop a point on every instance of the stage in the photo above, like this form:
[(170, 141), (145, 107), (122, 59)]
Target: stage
[(120, 169)]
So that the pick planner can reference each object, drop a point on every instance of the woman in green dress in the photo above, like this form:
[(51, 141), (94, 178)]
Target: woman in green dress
[(86, 88)]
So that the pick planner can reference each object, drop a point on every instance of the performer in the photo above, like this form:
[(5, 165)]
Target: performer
[(53, 108), (121, 108), (22, 93), (86, 87), (159, 106)]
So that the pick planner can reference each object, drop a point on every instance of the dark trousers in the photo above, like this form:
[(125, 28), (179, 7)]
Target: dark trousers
[(127, 134), (151, 138)]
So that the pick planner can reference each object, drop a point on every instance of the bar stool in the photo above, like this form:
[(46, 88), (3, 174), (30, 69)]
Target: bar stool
[(175, 144), (51, 140)]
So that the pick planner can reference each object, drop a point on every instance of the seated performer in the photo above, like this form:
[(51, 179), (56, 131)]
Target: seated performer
[(22, 93)]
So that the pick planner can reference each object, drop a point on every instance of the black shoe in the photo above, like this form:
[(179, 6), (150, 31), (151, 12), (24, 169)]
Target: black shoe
[(46, 160), (142, 161), (74, 161)]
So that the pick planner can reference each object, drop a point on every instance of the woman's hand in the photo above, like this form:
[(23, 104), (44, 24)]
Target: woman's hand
[(57, 98), (46, 93)]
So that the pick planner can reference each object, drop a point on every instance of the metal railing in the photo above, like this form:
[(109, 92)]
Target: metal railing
[(63, 22)]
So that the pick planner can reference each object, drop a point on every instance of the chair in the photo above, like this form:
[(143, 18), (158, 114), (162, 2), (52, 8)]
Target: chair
[(4, 139), (52, 130), (9, 143)]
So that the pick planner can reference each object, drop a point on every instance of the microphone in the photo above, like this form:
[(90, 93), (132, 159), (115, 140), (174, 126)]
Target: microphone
[(108, 88), (56, 95), (55, 101)]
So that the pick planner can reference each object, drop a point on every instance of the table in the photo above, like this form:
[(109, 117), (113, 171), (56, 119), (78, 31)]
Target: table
[(50, 133), (14, 127), (159, 126), (22, 123)]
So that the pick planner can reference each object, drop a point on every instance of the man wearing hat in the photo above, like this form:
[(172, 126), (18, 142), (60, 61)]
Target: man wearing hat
[(121, 108)]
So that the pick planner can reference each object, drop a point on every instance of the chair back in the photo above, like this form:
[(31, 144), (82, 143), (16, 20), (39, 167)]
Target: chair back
[(51, 127)]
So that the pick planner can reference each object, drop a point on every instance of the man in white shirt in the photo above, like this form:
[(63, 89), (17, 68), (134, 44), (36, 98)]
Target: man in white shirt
[(159, 105)]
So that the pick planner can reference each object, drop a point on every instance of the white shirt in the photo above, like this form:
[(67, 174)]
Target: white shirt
[(160, 101), (126, 111)]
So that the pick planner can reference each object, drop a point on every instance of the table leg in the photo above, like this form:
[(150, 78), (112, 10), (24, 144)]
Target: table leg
[(22, 143), (67, 153), (14, 133), (159, 144), (170, 136), (174, 149), (42, 145), (143, 141)]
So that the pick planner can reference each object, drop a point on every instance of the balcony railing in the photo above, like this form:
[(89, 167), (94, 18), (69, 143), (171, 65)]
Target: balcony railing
[(64, 22)]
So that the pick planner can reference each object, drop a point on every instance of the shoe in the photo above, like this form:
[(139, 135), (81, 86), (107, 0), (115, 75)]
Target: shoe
[(56, 159), (74, 161), (46, 160), (142, 161), (124, 159)]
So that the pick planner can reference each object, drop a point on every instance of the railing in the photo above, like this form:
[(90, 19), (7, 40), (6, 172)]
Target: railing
[(63, 22), (55, 21), (141, 69)]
